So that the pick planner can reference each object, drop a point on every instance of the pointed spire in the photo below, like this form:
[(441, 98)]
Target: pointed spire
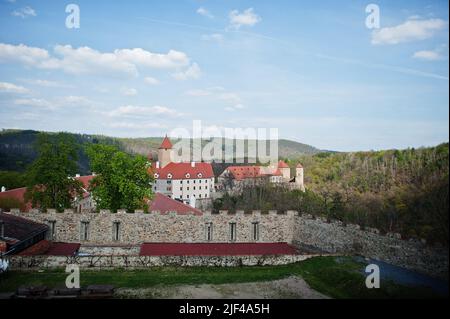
[(166, 144)]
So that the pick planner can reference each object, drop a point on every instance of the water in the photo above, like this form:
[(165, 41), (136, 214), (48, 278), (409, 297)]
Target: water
[(406, 277)]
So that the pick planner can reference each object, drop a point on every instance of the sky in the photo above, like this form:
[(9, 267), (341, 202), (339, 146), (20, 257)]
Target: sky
[(315, 70)]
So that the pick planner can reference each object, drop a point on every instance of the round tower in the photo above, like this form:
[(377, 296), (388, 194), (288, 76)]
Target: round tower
[(165, 153), (285, 170)]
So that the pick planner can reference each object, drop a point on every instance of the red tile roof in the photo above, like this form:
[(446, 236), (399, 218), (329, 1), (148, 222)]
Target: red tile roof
[(166, 144), (45, 247), (184, 171), (243, 172), (164, 204), (85, 180), (19, 193), (282, 164), (216, 249)]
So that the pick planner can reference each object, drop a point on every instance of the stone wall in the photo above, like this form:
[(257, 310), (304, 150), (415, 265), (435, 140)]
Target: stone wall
[(305, 232), (96, 262), (139, 227), (334, 237)]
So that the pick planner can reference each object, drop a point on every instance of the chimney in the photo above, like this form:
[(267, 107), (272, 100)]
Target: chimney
[(77, 175), (3, 189), (93, 173), (192, 164), (157, 164)]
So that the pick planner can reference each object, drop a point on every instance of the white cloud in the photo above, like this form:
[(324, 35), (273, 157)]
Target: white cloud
[(230, 97), (22, 54), (246, 18), (151, 81), (134, 125), (24, 12), (85, 60), (12, 88), (74, 100), (234, 108), (128, 91), (427, 55), (440, 53), (193, 72), (198, 92), (411, 30), (233, 100), (140, 111), (46, 83), (202, 11), (213, 37), (34, 102)]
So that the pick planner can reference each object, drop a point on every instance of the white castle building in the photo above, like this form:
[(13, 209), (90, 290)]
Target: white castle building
[(186, 182)]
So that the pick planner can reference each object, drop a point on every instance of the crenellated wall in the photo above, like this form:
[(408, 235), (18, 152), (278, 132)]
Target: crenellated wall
[(139, 227), (304, 231)]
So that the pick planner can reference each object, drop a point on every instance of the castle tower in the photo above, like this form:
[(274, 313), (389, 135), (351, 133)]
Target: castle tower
[(165, 152), (285, 170), (299, 177)]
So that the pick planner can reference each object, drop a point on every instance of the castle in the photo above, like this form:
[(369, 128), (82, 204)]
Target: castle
[(185, 182), (235, 178)]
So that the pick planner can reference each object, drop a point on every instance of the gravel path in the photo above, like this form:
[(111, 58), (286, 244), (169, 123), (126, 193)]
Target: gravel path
[(292, 287)]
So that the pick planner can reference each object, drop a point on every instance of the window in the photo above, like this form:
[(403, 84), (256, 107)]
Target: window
[(200, 195), (169, 182), (116, 231), (232, 231), (84, 231), (181, 188), (255, 231), (194, 188), (51, 229), (209, 231)]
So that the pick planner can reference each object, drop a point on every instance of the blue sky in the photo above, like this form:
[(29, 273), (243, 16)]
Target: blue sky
[(311, 69)]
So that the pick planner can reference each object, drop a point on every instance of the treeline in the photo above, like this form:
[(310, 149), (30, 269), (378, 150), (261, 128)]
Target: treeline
[(403, 191)]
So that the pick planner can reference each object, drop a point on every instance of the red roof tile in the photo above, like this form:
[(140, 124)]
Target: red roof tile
[(243, 172), (282, 164), (166, 144), (19, 193), (216, 249), (184, 171), (45, 247), (165, 204)]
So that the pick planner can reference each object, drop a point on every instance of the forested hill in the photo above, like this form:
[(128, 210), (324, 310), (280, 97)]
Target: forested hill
[(17, 148)]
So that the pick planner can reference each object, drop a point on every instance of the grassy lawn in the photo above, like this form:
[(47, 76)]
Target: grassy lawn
[(338, 277)]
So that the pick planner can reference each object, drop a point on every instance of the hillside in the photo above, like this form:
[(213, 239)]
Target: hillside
[(405, 191), (17, 151)]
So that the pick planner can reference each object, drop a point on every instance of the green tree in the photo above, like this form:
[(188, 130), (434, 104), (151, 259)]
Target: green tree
[(122, 181), (49, 178)]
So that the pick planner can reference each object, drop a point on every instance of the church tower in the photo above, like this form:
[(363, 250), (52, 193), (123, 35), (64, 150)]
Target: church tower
[(299, 177), (165, 152)]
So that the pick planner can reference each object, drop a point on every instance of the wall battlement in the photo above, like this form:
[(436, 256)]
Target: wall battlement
[(304, 231)]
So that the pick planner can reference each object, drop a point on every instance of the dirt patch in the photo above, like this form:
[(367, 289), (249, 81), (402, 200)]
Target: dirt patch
[(289, 288)]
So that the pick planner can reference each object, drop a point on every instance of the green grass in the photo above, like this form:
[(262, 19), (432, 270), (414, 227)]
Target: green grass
[(337, 277)]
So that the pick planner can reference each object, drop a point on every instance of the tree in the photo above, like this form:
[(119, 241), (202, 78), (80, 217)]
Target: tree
[(50, 181), (122, 181)]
